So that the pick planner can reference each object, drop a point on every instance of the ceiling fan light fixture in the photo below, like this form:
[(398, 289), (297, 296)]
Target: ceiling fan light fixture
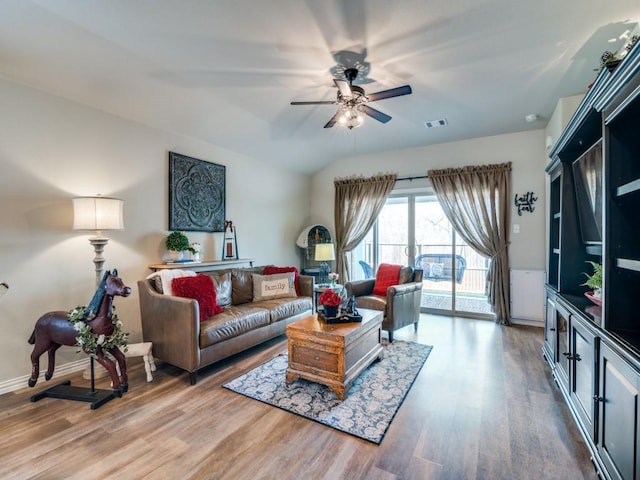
[(352, 117)]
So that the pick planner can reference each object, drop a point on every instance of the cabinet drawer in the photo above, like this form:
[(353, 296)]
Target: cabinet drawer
[(305, 357)]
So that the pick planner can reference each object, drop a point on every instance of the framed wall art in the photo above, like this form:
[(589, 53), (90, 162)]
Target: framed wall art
[(196, 194)]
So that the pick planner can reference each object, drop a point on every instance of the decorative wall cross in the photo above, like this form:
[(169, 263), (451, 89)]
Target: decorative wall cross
[(525, 202)]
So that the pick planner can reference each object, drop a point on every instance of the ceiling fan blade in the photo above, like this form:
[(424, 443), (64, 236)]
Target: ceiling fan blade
[(377, 114), (393, 92), (320, 102), (343, 86), (333, 120)]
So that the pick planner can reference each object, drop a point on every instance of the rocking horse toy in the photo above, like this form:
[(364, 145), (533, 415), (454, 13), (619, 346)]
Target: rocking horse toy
[(54, 329)]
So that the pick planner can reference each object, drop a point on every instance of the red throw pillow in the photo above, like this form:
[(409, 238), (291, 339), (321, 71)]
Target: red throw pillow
[(199, 288), (272, 269), (386, 276)]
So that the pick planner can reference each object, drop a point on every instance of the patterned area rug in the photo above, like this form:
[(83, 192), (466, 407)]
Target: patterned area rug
[(371, 403)]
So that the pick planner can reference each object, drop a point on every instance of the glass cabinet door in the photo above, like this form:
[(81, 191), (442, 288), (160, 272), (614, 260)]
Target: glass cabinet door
[(563, 352)]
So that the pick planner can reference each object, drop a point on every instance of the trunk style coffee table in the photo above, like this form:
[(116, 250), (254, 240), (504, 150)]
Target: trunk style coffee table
[(333, 354)]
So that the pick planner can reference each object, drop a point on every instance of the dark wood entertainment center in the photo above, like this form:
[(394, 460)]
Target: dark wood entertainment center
[(594, 352)]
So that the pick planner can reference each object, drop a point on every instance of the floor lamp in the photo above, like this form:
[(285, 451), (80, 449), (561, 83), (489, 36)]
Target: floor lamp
[(98, 214), (94, 214)]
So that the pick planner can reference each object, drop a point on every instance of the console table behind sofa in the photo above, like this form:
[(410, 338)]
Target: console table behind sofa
[(204, 266)]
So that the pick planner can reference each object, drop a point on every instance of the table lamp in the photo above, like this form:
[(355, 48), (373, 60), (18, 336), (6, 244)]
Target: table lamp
[(324, 253)]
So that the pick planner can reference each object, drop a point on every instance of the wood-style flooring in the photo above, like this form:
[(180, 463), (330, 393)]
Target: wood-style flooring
[(484, 406)]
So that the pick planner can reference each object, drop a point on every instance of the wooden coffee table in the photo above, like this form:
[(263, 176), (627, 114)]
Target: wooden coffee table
[(333, 354)]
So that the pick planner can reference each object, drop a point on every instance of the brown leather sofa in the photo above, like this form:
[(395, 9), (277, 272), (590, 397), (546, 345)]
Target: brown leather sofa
[(401, 304), (180, 339)]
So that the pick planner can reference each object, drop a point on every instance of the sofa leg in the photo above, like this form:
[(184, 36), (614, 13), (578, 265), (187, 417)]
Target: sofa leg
[(390, 336), (193, 378), (415, 327)]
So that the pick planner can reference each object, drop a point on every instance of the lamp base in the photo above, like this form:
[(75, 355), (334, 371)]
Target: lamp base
[(98, 242), (323, 277)]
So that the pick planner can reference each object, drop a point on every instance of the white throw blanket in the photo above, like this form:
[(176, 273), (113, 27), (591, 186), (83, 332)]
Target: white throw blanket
[(167, 275)]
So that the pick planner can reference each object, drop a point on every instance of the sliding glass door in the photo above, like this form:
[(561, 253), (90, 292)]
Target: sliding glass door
[(413, 230)]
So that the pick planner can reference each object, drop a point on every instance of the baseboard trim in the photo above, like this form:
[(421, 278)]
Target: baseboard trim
[(530, 323), (21, 382)]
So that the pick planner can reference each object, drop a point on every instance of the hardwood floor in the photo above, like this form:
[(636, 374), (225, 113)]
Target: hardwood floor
[(484, 406)]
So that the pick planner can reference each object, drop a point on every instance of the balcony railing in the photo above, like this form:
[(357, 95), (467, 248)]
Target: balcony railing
[(473, 280)]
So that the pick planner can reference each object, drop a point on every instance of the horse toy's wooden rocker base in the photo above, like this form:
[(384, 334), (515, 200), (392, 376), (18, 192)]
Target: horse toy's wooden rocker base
[(53, 329)]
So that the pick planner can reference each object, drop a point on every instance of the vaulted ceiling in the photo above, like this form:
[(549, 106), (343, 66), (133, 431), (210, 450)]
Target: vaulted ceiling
[(225, 71)]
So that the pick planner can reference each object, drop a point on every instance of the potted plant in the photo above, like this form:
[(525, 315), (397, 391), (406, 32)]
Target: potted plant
[(196, 249), (594, 281), (609, 60), (330, 300), (176, 243)]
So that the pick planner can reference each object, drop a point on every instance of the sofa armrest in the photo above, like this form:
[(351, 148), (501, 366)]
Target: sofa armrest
[(172, 324), (403, 304), (359, 288), (403, 289), (306, 284)]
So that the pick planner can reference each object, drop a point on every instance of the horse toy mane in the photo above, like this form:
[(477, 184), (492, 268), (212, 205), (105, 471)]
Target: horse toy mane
[(94, 304)]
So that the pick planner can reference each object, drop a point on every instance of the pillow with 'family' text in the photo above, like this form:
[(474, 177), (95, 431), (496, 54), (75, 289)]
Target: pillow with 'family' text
[(268, 287)]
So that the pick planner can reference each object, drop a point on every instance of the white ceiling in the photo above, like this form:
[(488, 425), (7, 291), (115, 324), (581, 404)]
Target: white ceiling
[(225, 71)]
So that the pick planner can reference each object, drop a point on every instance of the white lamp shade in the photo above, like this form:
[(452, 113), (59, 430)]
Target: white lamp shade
[(324, 252), (98, 213)]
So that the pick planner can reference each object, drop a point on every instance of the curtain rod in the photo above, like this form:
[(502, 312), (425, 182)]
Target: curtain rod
[(411, 178)]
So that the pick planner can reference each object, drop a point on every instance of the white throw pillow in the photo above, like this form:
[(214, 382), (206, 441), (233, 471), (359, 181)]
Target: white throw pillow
[(436, 269)]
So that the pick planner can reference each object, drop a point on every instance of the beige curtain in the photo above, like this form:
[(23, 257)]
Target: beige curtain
[(358, 202), (476, 202)]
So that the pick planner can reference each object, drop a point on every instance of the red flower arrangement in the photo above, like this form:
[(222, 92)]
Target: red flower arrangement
[(330, 298)]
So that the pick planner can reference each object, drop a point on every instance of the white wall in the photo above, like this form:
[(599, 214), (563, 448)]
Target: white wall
[(52, 150), (526, 151)]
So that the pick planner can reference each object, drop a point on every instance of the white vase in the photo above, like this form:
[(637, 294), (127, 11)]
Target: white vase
[(195, 257), (175, 256)]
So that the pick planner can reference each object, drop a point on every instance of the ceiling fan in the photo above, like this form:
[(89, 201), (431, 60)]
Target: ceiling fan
[(353, 101)]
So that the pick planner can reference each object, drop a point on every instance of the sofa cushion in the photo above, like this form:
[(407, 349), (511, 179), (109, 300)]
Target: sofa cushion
[(200, 288), (283, 308), (271, 269), (406, 274), (241, 286), (279, 285), (233, 321), (386, 276), (222, 282), (372, 302), (156, 281)]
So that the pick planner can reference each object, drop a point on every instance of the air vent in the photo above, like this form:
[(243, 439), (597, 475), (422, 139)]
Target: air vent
[(436, 123)]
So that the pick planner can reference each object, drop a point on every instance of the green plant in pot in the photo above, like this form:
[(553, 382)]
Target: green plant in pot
[(594, 280), (176, 243)]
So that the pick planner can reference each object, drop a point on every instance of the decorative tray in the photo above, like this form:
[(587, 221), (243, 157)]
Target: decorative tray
[(340, 319)]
